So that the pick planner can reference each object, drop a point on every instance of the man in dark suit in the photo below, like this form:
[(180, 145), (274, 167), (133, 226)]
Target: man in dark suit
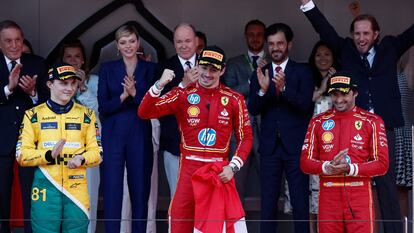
[(374, 64), (185, 59), (22, 82), (285, 104), (239, 69)]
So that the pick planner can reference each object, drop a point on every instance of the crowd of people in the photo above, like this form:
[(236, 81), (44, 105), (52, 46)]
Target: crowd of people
[(327, 135)]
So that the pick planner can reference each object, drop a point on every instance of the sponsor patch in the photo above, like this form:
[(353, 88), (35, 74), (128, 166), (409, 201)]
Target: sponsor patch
[(224, 113), (72, 145), (340, 79), (86, 119), (63, 69), (328, 125), (49, 144), (358, 137), (207, 137), (327, 147), (224, 100), (327, 137), (193, 121), (72, 126), (193, 98), (223, 122), (358, 125), (34, 118), (75, 177), (74, 185), (193, 111), (358, 147), (212, 54), (48, 118), (48, 125)]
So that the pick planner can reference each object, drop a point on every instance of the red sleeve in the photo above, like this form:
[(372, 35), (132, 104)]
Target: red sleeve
[(377, 163), (243, 131), (154, 106), (310, 162)]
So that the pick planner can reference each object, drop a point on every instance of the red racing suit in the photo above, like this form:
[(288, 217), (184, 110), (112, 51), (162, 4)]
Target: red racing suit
[(346, 203), (206, 119)]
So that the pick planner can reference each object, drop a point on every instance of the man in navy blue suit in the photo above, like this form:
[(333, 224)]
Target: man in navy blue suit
[(374, 64), (22, 85), (282, 93)]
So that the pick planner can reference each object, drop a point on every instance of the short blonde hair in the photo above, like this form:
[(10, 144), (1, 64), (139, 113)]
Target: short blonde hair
[(125, 30)]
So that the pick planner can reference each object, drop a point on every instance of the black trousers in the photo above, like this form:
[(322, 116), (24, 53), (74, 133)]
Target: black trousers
[(387, 192)]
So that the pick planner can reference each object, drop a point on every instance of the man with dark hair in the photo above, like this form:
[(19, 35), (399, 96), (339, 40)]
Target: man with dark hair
[(237, 76), (201, 41), (17, 94), (207, 112), (346, 146), (281, 92), (375, 65)]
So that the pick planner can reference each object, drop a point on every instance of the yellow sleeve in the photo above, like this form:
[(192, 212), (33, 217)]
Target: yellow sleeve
[(93, 149), (27, 154)]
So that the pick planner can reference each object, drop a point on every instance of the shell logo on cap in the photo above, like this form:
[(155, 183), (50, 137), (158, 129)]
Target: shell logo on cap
[(327, 137), (193, 111)]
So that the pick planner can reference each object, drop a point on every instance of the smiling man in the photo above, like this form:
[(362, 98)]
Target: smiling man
[(61, 139), (346, 146), (207, 112), (375, 66), (18, 92), (281, 92)]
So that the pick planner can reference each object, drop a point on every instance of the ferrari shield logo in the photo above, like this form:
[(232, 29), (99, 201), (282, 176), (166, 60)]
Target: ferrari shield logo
[(358, 125), (224, 100)]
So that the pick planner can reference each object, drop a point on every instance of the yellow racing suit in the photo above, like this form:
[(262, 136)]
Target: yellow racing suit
[(59, 193)]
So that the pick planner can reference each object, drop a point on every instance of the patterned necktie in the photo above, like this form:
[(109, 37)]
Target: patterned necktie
[(188, 64), (254, 62), (277, 69), (365, 61), (13, 64)]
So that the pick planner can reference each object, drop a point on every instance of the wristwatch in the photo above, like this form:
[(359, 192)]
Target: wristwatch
[(234, 167)]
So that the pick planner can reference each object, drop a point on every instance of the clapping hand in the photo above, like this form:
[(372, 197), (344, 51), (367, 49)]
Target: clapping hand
[(263, 79), (14, 77), (190, 76), (58, 148)]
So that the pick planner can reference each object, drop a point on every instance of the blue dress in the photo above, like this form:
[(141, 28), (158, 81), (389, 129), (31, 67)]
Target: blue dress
[(126, 141)]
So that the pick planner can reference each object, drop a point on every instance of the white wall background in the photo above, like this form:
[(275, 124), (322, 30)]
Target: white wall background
[(46, 22)]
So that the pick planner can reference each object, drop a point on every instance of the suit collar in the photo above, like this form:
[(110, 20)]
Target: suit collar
[(183, 61), (282, 65)]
